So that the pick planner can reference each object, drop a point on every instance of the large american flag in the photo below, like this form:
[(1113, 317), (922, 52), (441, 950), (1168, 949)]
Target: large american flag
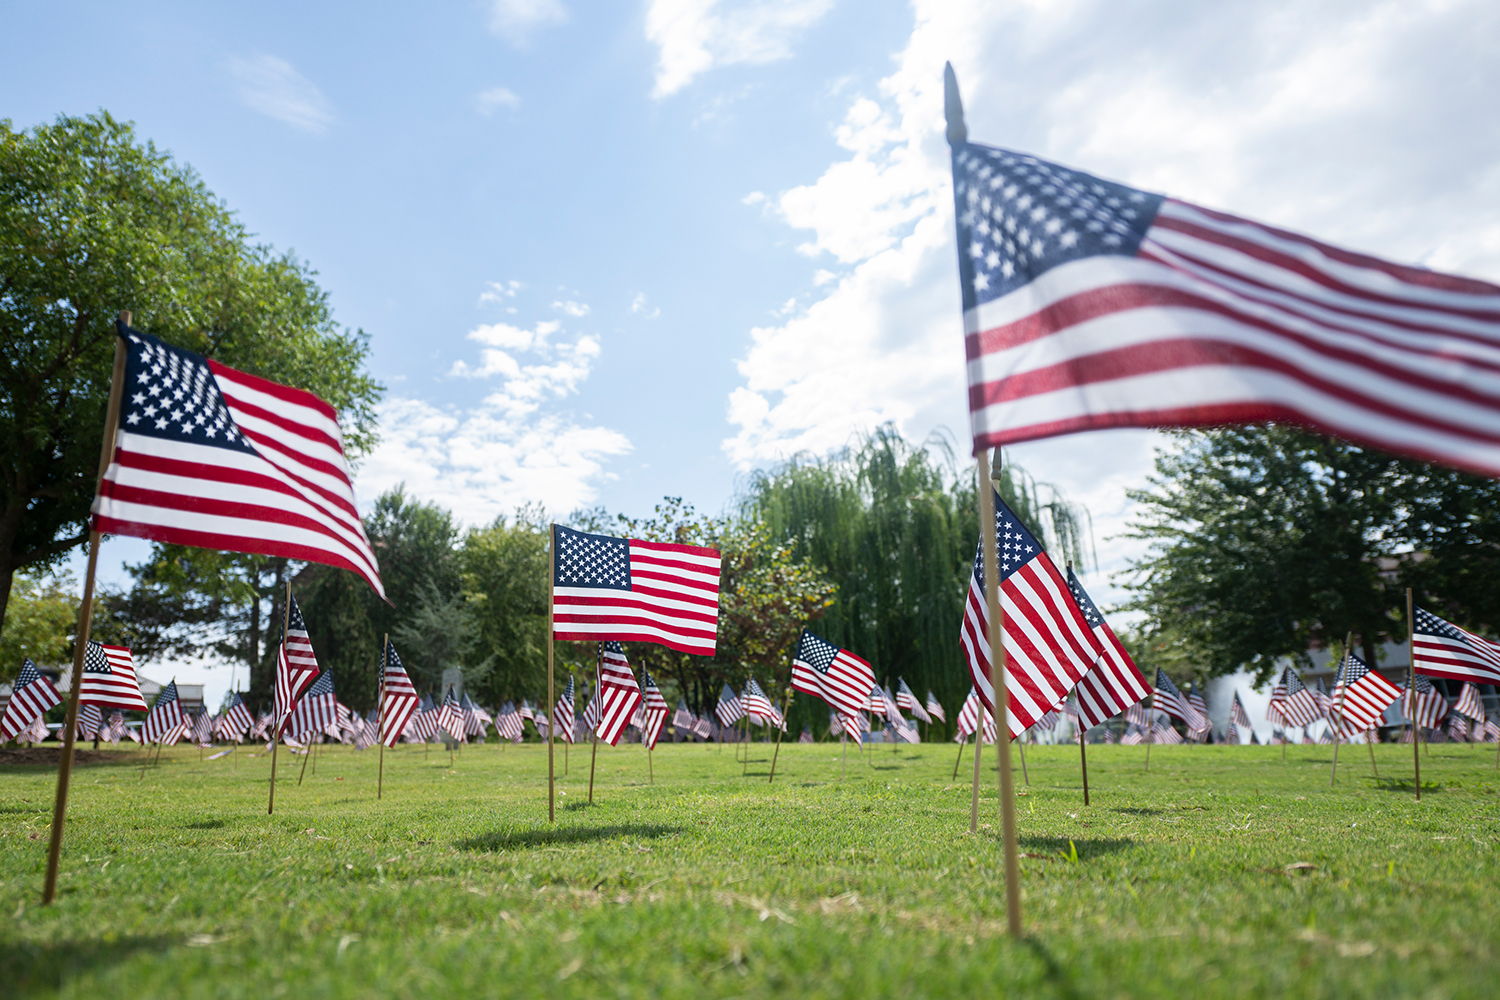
[(209, 456), (30, 698), (1089, 304), (730, 709), (826, 671), (1048, 645), (627, 589), (164, 723), (1115, 683), (619, 695), (1442, 649), (1364, 697), (562, 713), (656, 711), (398, 698), (109, 678), (1424, 704), (296, 664)]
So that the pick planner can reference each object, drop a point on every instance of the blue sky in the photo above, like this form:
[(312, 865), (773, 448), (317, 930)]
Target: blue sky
[(608, 252)]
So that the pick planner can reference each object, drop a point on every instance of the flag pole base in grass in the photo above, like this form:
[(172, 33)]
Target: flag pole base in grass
[(1083, 762)]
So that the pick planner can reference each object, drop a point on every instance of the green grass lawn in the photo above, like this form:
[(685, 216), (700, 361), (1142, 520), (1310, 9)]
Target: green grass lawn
[(1221, 871)]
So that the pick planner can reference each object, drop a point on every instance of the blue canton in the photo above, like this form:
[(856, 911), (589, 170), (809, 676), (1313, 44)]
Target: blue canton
[(1164, 683), (94, 659), (1019, 217), (1431, 624), (584, 560), (323, 685), (1015, 545), (815, 652), (170, 393), (1090, 612)]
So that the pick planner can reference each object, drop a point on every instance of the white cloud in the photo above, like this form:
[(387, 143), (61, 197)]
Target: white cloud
[(516, 20), (515, 446), (499, 292), (272, 86), (568, 307), (1350, 120), (487, 102), (695, 36), (641, 306)]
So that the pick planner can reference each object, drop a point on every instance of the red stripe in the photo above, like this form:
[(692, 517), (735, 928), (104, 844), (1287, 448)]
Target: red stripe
[(572, 608), (637, 544), (285, 393), (707, 597)]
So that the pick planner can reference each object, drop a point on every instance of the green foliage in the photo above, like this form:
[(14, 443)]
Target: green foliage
[(504, 570), (1221, 872), (1268, 540), (93, 221), (43, 615), (897, 527)]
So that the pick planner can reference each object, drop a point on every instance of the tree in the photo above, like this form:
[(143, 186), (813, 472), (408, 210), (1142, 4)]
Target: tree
[(40, 626), (93, 221), (1267, 541), (504, 572), (896, 526)]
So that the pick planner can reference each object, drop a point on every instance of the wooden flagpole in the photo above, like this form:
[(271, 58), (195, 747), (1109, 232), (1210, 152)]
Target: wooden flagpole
[(286, 623), (960, 758), (1338, 723), (1150, 728), (786, 703), (1083, 760), (551, 680), (81, 635), (1411, 697), (978, 752), (594, 732), (385, 658), (1021, 748), (998, 681)]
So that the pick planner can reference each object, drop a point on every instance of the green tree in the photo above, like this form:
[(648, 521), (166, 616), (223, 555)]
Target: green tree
[(92, 221), (40, 625), (504, 569), (1267, 541)]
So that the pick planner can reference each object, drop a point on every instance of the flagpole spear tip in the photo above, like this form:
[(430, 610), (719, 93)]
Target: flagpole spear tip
[(953, 108)]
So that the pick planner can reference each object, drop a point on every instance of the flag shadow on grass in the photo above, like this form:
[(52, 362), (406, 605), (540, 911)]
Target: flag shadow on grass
[(502, 840), (1403, 785), (1062, 848), (43, 966)]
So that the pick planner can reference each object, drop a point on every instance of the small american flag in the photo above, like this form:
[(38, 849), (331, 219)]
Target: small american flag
[(619, 695), (1053, 647), (624, 588), (1366, 695), (969, 719), (562, 713), (826, 671), (164, 723), (1089, 304), (90, 718), (114, 729), (702, 728), (1442, 649), (656, 711), (905, 698), (1298, 704), (202, 728), (1237, 714), (508, 723), (730, 709), (1115, 683), (398, 699), (683, 718), (234, 720), (1232, 732), (758, 705), (590, 718), (1168, 699), (109, 678), (1424, 705), (315, 709), (935, 708), (30, 699), (1196, 700), (209, 456), (1161, 733), (1458, 728), (450, 718), (296, 664), (475, 718)]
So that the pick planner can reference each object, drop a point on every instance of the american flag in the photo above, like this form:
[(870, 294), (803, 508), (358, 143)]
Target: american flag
[(109, 678), (164, 723), (624, 588), (806, 736), (730, 709), (315, 709), (1365, 695), (656, 711), (702, 728), (618, 693), (114, 729), (398, 699), (1424, 704), (1168, 699), (423, 727), (475, 718), (968, 719), (1133, 737), (1115, 682), (203, 729), (234, 720), (1088, 304), (1232, 732), (1293, 702), (262, 727), (1163, 734), (935, 708), (1468, 702), (1324, 700), (758, 705), (1196, 700), (526, 711), (296, 664), (826, 671), (90, 718), (213, 457), (590, 718), (36, 732), (876, 704), (508, 723), (682, 718), (1046, 723), (30, 699), (907, 699), (1237, 714), (1458, 728), (450, 718), (1048, 645), (1442, 649), (562, 713)]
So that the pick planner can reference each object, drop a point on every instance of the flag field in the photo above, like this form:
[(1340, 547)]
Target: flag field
[(1221, 871)]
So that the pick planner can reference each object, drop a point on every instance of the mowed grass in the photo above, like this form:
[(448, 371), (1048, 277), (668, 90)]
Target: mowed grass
[(1221, 871)]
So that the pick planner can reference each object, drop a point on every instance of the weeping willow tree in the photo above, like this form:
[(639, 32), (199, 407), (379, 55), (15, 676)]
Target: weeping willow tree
[(895, 527)]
